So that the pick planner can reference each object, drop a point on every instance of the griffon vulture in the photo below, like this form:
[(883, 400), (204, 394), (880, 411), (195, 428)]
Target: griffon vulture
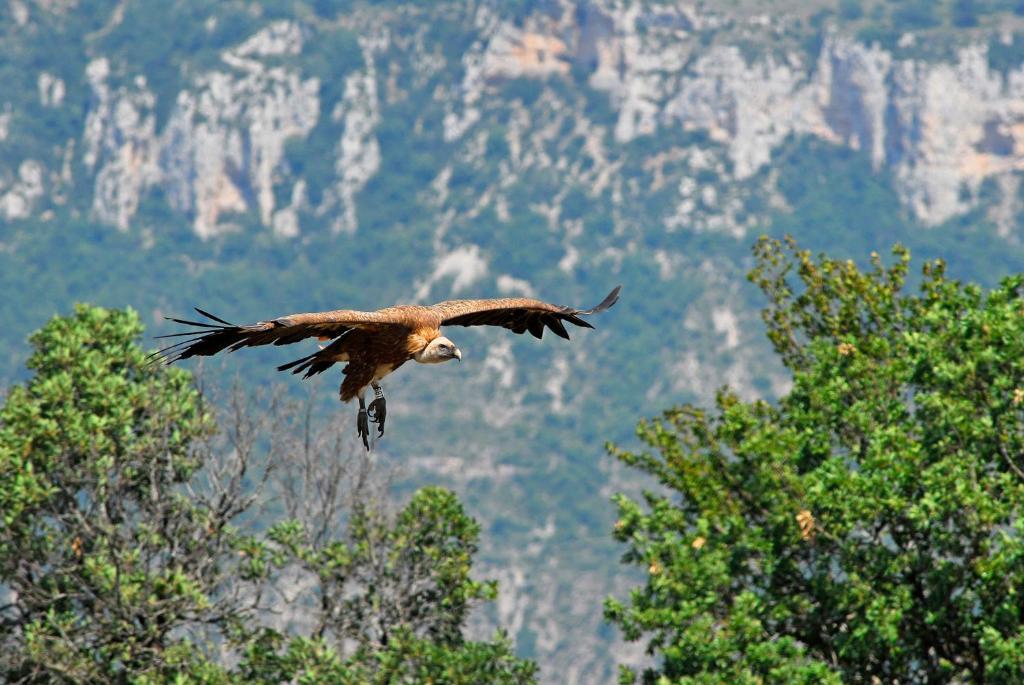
[(376, 343)]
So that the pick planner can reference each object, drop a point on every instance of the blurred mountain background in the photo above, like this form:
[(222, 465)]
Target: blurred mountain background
[(262, 158)]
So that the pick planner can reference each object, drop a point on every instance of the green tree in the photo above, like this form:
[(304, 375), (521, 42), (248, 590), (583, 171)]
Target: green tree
[(123, 557), (108, 564), (398, 589), (384, 594), (867, 527)]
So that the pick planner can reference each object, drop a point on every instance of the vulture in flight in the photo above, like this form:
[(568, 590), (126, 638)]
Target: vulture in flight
[(375, 343)]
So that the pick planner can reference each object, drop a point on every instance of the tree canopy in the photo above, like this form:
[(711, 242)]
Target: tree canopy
[(864, 528), (129, 554)]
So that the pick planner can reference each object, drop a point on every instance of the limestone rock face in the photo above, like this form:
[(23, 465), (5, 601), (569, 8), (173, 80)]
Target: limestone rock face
[(357, 153), (16, 201), (222, 145), (120, 144), (942, 127)]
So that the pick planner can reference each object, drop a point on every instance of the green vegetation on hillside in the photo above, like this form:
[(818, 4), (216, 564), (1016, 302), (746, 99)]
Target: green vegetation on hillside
[(863, 214)]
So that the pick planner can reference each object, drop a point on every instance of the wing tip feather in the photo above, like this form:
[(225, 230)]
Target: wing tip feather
[(607, 303), (210, 316)]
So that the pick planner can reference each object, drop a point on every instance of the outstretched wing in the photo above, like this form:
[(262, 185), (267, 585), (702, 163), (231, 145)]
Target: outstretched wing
[(217, 334), (518, 314)]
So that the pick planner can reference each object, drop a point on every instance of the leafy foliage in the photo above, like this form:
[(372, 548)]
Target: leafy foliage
[(106, 558), (124, 559), (399, 590), (868, 527)]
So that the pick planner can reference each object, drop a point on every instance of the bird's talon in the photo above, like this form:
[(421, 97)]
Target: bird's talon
[(378, 411), (363, 428)]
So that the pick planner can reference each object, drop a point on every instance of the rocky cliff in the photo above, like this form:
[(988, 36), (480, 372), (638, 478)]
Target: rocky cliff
[(942, 127)]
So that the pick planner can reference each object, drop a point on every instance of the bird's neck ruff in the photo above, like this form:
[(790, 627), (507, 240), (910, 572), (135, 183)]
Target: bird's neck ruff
[(438, 350)]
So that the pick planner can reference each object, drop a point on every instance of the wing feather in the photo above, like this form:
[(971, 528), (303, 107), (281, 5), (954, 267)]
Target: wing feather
[(535, 324), (519, 314), (557, 327), (223, 335)]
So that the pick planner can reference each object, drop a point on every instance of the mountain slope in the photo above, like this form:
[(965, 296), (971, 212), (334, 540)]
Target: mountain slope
[(258, 159)]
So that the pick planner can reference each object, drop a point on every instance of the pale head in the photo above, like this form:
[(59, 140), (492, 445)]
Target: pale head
[(438, 350)]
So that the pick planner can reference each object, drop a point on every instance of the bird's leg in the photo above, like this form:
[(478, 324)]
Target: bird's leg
[(362, 427), (378, 409)]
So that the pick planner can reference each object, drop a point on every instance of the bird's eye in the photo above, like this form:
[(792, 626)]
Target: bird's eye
[(445, 348)]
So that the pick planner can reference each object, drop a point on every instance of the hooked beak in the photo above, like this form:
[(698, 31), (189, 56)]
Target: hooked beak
[(458, 354)]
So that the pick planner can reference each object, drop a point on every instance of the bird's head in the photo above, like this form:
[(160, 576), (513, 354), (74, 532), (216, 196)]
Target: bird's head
[(440, 349)]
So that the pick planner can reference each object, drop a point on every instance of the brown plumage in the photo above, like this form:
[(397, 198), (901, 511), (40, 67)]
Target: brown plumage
[(373, 344)]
